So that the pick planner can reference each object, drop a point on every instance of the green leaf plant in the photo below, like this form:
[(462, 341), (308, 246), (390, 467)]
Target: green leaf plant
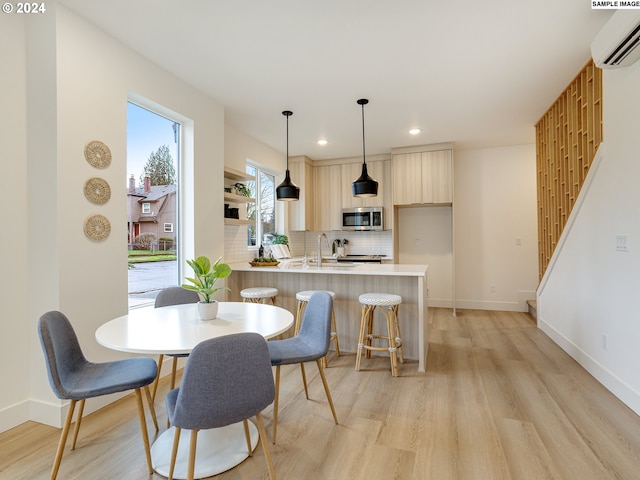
[(206, 276)]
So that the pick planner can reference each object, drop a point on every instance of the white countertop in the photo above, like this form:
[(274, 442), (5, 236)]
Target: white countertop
[(395, 270)]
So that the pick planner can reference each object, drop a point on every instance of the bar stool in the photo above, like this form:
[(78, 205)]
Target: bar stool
[(259, 294), (303, 299), (388, 304)]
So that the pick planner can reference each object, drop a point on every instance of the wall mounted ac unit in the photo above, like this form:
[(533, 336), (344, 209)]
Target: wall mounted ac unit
[(618, 43)]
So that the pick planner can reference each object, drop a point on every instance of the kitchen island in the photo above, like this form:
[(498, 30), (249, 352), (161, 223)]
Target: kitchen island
[(348, 281)]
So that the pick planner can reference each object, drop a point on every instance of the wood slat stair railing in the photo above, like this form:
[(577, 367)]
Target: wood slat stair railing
[(567, 137)]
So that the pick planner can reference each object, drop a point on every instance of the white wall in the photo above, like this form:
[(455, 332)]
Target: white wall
[(586, 300), (424, 237), (15, 331), (70, 85), (495, 204)]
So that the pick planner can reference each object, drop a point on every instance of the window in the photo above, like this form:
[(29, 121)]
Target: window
[(153, 170), (263, 212)]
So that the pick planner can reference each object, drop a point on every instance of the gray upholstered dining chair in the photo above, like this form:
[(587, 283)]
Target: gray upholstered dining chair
[(73, 377), (226, 380), (166, 297), (311, 343)]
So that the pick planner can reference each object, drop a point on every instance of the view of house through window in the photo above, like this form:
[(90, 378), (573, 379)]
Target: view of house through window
[(153, 143), (263, 212)]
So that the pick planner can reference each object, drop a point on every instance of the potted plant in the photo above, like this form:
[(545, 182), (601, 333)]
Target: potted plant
[(242, 189), (203, 284)]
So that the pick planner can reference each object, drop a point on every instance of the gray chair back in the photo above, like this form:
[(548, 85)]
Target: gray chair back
[(226, 380), (62, 352), (175, 296), (315, 330)]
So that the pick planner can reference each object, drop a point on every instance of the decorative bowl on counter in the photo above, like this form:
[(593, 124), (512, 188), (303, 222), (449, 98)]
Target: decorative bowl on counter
[(264, 262)]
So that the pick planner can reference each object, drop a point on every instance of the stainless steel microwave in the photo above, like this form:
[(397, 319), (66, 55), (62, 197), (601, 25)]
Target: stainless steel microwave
[(363, 218)]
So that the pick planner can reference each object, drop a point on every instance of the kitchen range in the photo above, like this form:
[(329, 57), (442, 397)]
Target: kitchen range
[(361, 258)]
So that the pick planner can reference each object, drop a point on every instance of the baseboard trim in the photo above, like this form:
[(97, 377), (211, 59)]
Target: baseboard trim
[(611, 382), (504, 306), (14, 415)]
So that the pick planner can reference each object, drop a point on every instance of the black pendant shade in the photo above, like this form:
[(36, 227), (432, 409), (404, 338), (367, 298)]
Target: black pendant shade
[(287, 191), (364, 186)]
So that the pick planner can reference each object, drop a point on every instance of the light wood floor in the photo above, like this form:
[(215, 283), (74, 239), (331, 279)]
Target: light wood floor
[(499, 401)]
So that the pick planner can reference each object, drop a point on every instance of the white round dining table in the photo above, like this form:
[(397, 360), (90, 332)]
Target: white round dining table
[(177, 329)]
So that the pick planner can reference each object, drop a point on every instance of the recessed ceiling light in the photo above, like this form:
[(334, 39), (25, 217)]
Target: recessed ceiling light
[(414, 131), (322, 142)]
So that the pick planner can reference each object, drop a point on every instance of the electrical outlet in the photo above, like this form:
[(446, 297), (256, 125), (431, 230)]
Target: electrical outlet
[(417, 241), (518, 241), (605, 342), (492, 289)]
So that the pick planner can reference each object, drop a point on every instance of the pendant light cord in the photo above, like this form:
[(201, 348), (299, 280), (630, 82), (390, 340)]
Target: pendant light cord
[(364, 157)]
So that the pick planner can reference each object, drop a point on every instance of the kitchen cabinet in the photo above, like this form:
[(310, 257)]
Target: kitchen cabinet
[(327, 197), (231, 177), (422, 178), (301, 213), (349, 172)]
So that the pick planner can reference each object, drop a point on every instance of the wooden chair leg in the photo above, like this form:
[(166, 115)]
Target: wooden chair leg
[(299, 313), (334, 329), (370, 314), (174, 368), (192, 455), (152, 409), (247, 436), (265, 446), (63, 440), (304, 380), (393, 351), (334, 338), (361, 337), (326, 390), (157, 380), (275, 404), (398, 334), (174, 452), (143, 427), (76, 429)]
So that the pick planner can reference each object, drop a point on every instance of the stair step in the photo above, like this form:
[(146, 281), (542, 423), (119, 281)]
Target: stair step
[(533, 308)]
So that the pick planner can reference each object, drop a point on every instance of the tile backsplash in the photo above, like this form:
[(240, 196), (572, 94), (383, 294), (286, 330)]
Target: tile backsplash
[(360, 243)]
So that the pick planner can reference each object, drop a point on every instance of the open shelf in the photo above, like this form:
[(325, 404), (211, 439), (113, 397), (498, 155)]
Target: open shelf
[(233, 174), (235, 221), (233, 198)]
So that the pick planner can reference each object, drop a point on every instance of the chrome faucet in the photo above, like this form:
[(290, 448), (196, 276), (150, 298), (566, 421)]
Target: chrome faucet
[(326, 241)]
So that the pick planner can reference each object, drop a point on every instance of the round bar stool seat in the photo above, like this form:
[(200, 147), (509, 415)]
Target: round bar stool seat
[(303, 299), (388, 305), (259, 294)]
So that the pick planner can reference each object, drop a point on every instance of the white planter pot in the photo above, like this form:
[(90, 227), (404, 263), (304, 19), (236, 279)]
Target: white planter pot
[(207, 311)]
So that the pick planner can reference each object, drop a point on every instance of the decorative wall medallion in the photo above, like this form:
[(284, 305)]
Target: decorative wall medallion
[(97, 228), (97, 154), (97, 191)]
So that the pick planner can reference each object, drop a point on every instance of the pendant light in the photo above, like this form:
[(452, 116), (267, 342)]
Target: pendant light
[(287, 191), (364, 186)]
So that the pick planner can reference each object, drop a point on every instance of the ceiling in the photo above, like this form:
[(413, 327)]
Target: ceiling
[(479, 74)]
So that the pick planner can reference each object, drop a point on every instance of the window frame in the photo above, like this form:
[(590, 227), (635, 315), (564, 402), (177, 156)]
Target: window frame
[(258, 226)]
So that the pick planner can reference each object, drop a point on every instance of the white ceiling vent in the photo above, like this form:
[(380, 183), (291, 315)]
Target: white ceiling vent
[(618, 43)]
